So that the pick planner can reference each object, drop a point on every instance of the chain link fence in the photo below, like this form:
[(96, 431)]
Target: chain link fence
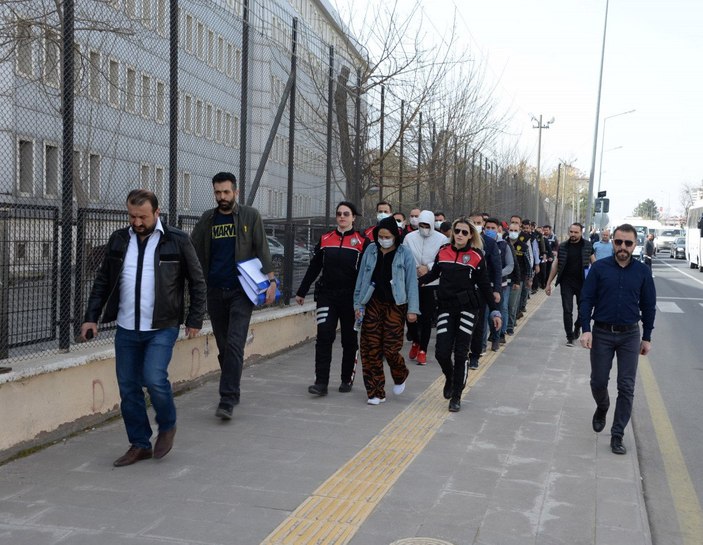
[(162, 95)]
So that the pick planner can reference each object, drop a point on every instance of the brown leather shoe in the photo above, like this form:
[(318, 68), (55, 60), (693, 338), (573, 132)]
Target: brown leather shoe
[(132, 456), (164, 442)]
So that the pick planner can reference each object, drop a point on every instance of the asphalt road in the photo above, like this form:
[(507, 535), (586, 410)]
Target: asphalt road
[(668, 412)]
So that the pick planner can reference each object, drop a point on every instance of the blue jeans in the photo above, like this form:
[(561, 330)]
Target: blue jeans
[(513, 306), (604, 348), (142, 359), (504, 304), (230, 314)]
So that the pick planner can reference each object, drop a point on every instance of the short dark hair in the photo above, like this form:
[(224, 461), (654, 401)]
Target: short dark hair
[(224, 177), (492, 220), (399, 213), (626, 228), (445, 226), (546, 226), (526, 222), (350, 205), (516, 216), (577, 224), (379, 203), (440, 213), (138, 197)]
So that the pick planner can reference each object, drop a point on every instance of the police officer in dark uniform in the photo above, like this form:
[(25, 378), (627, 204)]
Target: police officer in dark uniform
[(337, 255)]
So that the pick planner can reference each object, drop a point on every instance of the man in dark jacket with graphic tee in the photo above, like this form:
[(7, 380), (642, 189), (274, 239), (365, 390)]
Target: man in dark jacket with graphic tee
[(224, 236), (569, 267)]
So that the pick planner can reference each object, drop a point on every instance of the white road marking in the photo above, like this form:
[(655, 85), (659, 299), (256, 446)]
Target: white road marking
[(668, 306), (682, 272)]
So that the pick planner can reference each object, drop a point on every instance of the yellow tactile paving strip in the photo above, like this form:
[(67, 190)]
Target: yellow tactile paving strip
[(338, 508)]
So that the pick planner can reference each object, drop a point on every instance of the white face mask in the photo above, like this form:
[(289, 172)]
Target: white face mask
[(425, 231), (479, 228), (414, 222), (401, 224), (513, 235), (437, 225), (385, 243), (381, 216)]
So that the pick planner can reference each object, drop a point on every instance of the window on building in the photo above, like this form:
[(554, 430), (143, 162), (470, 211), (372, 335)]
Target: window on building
[(184, 192), (238, 65), (94, 75), (199, 117), (130, 8), (160, 101), (159, 183), (208, 121), (220, 53), (146, 13), (52, 57), (46, 250), (189, 33), (144, 176), (51, 170), (77, 180), (20, 251), (146, 95), (201, 41), (235, 131), (210, 48), (94, 177), (228, 129), (23, 54), (218, 125), (187, 113), (78, 71), (161, 17), (113, 84), (229, 66), (25, 166), (131, 90)]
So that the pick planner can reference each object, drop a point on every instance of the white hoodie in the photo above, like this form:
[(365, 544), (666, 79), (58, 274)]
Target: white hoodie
[(424, 249)]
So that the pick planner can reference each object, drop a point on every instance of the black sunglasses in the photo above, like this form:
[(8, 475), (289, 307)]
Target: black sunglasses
[(620, 242), (343, 214), (462, 232)]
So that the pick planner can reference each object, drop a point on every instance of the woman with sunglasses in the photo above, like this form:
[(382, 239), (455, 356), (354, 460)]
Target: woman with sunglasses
[(462, 272), (336, 256)]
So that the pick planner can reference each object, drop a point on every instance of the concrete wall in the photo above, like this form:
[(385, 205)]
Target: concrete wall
[(57, 395)]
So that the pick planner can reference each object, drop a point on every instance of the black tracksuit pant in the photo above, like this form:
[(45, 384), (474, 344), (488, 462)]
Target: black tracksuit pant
[(454, 330), (333, 306)]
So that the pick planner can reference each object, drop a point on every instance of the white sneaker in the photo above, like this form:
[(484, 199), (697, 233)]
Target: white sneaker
[(376, 400), (398, 388)]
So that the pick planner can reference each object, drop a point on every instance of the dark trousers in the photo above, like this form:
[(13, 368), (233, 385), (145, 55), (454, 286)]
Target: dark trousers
[(476, 343), (420, 332), (230, 313), (454, 331), (568, 292), (330, 309), (605, 346)]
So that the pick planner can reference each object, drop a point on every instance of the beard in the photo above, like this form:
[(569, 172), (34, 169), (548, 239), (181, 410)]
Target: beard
[(224, 205), (144, 231), (623, 255)]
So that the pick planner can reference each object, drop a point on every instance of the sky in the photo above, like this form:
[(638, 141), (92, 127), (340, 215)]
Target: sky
[(543, 57)]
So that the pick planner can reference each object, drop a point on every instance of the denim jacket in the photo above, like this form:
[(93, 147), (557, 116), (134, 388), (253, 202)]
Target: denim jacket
[(403, 284)]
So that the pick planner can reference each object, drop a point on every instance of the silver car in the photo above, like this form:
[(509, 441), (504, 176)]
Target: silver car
[(677, 249)]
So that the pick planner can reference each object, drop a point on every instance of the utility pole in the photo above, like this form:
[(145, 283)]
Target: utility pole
[(539, 126)]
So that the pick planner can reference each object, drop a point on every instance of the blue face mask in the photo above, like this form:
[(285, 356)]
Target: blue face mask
[(490, 233)]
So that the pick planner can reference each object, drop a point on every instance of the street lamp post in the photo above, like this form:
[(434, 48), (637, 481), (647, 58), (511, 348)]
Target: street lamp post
[(602, 144), (539, 126)]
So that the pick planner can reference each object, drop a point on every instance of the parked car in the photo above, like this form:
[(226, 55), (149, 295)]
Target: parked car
[(665, 237), (677, 249), (300, 255)]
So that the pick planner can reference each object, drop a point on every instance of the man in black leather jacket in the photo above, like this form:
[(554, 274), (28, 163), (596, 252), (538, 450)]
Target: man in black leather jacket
[(140, 284)]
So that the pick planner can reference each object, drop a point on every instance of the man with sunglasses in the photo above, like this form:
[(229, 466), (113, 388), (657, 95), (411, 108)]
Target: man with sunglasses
[(617, 294), (569, 268)]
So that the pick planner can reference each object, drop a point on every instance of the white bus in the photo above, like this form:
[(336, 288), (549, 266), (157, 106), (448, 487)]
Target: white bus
[(694, 236)]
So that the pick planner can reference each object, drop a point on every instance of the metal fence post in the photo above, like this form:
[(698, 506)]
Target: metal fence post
[(328, 159), (67, 181), (4, 286), (244, 113), (357, 142), (173, 117), (419, 161), (290, 232), (402, 156), (381, 150)]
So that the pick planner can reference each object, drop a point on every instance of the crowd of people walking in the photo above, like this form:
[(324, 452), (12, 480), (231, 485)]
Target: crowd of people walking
[(470, 279)]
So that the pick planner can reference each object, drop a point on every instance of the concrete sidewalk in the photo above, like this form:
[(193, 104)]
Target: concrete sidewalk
[(518, 465)]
